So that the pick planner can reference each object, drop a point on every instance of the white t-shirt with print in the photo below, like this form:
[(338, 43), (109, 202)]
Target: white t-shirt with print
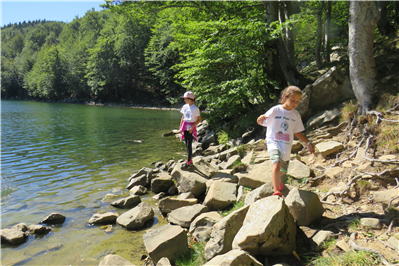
[(190, 113), (281, 125)]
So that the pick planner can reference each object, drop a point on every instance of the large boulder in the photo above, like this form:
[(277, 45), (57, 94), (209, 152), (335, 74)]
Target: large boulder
[(201, 166), (304, 206), (322, 117), (127, 203), (104, 218), (168, 204), (136, 217), (212, 150), (115, 260), (223, 233), (231, 161), (12, 236), (225, 155), (189, 181), (298, 169), (138, 190), (222, 176), (234, 257), (257, 176), (268, 229), (202, 226), (221, 195), (208, 139), (168, 241), (185, 215), (330, 89), (161, 183)]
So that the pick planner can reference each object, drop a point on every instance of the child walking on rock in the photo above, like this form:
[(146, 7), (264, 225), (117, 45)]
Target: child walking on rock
[(283, 122), (188, 125)]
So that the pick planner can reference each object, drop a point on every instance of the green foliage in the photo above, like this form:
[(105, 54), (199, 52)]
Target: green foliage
[(232, 208), (353, 258), (225, 70), (223, 137), (196, 255)]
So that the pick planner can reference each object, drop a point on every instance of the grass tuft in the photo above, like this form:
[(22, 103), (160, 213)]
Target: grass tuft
[(353, 258)]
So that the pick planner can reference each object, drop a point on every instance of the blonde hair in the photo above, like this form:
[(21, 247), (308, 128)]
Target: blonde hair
[(287, 92)]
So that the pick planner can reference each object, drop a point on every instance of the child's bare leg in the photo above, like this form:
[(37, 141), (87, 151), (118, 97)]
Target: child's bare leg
[(276, 176)]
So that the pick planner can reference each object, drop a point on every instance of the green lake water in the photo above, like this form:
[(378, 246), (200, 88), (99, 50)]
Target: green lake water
[(65, 158)]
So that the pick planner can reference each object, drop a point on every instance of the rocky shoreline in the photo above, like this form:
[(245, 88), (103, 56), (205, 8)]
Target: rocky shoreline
[(265, 229)]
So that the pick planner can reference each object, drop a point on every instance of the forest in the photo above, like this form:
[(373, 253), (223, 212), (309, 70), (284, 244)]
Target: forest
[(235, 55)]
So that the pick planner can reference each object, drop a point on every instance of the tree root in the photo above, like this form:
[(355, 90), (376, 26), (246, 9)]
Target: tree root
[(357, 247), (388, 245), (336, 203)]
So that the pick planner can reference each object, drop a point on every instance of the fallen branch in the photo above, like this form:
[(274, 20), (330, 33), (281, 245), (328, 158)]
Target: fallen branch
[(388, 245), (376, 160), (357, 247), (336, 203), (390, 202)]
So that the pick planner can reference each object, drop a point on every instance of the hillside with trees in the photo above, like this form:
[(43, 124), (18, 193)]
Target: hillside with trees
[(236, 56)]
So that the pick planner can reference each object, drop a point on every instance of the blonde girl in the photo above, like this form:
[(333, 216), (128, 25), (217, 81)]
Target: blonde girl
[(283, 122)]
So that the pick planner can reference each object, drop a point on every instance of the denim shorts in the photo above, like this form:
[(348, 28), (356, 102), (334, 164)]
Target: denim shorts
[(275, 157)]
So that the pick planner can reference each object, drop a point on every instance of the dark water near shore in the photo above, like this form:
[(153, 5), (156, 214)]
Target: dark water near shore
[(65, 158)]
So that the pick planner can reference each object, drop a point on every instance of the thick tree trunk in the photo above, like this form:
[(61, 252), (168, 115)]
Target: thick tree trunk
[(279, 67), (327, 34), (285, 14), (363, 16), (319, 61)]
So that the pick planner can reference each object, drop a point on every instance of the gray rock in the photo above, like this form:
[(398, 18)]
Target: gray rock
[(220, 195), (168, 241), (386, 196), (21, 227), (208, 139), (268, 229), (143, 171), (319, 238), (39, 229), (201, 166), (164, 262), (141, 180), (212, 150), (189, 181), (231, 161), (322, 117), (235, 257), (304, 206), (225, 155), (373, 223), (138, 190), (329, 147), (115, 260), (136, 217), (334, 172), (202, 226), (223, 233), (186, 195), (12, 236), (256, 176), (168, 204), (261, 192), (127, 203), (161, 183), (104, 218), (298, 169), (159, 196), (185, 215), (54, 218)]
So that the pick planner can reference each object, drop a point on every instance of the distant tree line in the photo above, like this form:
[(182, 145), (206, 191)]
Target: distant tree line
[(235, 55)]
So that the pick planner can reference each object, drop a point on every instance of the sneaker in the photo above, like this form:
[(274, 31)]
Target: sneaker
[(186, 166), (277, 193)]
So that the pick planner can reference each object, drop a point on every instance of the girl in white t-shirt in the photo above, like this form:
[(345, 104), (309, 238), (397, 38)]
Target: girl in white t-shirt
[(283, 122), (188, 125)]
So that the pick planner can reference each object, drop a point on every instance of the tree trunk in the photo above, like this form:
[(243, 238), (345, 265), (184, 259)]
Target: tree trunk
[(319, 62), (327, 34), (285, 14), (363, 16), (384, 27), (279, 67)]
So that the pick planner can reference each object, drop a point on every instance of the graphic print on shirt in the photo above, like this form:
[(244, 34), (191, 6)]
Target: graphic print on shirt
[(280, 135)]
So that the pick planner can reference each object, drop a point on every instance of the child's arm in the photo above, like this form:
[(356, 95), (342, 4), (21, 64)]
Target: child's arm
[(302, 137), (199, 119), (181, 122), (261, 119)]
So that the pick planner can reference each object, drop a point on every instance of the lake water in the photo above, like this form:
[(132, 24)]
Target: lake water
[(65, 158)]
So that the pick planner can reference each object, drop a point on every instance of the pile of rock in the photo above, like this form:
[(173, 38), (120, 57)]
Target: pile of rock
[(20, 232)]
